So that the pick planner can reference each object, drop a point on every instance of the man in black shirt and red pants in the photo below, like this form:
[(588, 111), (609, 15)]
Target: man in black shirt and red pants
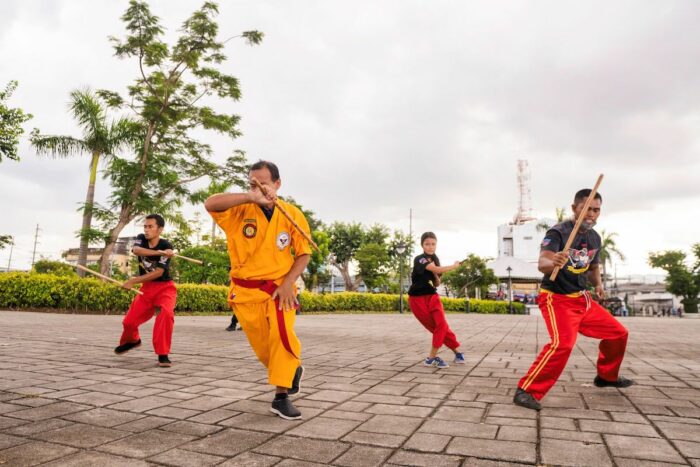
[(567, 307), (154, 254)]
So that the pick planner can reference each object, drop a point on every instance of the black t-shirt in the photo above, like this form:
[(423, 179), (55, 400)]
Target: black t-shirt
[(584, 251), (150, 263), (422, 280)]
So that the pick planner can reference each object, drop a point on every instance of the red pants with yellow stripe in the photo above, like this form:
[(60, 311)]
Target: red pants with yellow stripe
[(162, 295), (566, 316), (428, 310), (271, 335)]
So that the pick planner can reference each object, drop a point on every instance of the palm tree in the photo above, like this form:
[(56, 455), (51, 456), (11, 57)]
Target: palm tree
[(100, 138), (608, 248), (543, 225)]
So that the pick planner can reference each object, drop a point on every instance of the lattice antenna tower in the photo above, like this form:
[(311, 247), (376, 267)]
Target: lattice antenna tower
[(524, 213)]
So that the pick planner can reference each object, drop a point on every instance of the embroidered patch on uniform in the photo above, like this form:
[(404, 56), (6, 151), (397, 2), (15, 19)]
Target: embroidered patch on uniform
[(249, 230), (250, 220), (283, 240), (423, 260), (546, 241)]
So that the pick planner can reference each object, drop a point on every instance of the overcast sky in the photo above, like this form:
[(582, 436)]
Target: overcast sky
[(372, 108)]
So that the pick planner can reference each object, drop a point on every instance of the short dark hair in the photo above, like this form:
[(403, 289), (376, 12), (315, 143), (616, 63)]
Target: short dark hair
[(581, 195), (261, 164), (159, 219), (426, 236)]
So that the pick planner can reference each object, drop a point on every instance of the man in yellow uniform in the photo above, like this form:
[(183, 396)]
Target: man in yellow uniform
[(267, 256)]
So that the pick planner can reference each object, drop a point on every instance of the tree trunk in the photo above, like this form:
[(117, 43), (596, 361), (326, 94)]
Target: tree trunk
[(345, 274), (87, 214), (124, 218)]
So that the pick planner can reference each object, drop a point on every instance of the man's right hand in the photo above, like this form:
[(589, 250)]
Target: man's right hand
[(128, 284), (560, 259), (256, 196)]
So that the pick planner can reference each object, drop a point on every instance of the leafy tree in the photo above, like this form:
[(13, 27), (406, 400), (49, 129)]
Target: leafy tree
[(215, 269), (5, 240), (608, 249), (472, 274), (165, 100), (100, 138), (57, 268), (373, 264), (345, 240), (11, 121), (682, 280)]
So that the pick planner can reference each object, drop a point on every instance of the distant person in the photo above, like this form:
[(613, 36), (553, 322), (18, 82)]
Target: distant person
[(425, 303), (154, 254), (568, 308)]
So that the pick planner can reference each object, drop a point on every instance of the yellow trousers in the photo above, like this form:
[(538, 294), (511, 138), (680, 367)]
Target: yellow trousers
[(269, 339)]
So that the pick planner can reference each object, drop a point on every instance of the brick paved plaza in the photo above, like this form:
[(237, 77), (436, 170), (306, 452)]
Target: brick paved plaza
[(66, 399)]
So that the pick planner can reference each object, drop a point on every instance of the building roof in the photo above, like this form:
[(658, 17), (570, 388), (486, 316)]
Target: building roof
[(520, 270)]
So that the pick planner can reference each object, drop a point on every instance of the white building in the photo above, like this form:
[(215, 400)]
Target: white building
[(521, 241)]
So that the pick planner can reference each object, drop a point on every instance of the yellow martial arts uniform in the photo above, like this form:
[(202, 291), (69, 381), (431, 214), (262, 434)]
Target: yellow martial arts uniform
[(261, 256)]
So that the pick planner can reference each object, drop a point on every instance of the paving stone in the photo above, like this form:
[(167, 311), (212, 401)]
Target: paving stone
[(403, 410), (493, 449), (325, 428), (560, 452), (462, 414), (454, 428), (228, 442), (144, 423), (102, 417), (256, 422), (363, 456), (251, 459), (182, 458), (390, 424), (304, 448), (100, 399), (34, 452), (680, 431), (689, 449), (618, 428), (427, 442), (7, 441), (143, 404), (146, 444), (642, 448), (93, 458), (375, 439), (582, 436), (191, 428), (426, 460), (517, 433), (49, 411), (81, 436)]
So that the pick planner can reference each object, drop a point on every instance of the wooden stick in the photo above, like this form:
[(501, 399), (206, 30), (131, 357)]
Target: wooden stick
[(286, 214), (109, 279), (191, 260), (579, 221)]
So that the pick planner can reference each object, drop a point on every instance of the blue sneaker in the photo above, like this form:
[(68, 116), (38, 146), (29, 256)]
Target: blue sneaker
[(459, 358), (436, 362)]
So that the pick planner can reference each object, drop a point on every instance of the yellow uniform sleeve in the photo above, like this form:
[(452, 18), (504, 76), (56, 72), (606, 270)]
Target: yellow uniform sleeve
[(225, 219), (300, 244)]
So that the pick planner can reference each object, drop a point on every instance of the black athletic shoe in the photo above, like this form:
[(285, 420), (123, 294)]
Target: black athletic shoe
[(285, 409), (124, 348), (164, 361), (231, 327), (621, 382), (296, 382), (525, 399)]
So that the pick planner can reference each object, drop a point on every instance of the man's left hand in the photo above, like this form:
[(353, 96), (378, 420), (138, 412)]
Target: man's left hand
[(600, 292), (285, 292)]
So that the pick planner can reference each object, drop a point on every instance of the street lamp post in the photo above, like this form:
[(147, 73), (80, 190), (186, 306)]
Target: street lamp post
[(510, 291), (400, 249)]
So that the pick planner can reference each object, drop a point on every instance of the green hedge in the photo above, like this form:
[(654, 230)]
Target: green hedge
[(32, 290)]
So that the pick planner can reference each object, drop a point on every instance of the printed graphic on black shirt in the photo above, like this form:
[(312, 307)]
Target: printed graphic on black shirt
[(582, 254), (422, 280), (149, 264)]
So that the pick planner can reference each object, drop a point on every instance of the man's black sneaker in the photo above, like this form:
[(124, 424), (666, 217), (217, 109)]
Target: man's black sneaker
[(164, 361), (124, 348), (621, 382), (296, 382), (525, 399), (231, 327), (285, 409)]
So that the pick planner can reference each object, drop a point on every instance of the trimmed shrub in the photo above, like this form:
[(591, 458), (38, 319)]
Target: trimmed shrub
[(32, 290)]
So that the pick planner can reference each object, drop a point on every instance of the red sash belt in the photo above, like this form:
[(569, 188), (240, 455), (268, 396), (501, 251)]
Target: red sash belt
[(269, 288)]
